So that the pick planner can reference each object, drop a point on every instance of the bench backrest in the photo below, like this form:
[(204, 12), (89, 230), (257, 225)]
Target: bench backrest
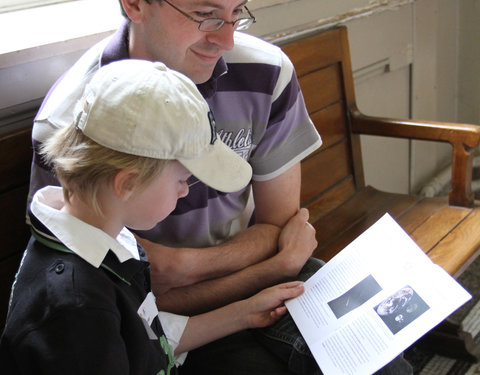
[(15, 154), (332, 174)]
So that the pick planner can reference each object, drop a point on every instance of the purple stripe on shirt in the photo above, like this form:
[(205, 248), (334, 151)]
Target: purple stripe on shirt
[(287, 99), (198, 197), (252, 77), (200, 227), (278, 134)]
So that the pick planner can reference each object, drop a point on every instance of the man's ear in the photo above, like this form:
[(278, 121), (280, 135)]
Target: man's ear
[(134, 9), (124, 184)]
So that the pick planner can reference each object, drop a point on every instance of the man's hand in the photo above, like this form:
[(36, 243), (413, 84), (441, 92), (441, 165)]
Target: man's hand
[(296, 243)]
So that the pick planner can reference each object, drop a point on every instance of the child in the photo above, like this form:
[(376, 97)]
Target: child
[(81, 300)]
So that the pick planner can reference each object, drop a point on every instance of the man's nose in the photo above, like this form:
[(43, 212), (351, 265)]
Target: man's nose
[(222, 37)]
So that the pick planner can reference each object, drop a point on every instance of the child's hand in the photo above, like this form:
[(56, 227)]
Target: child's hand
[(258, 311), (267, 306)]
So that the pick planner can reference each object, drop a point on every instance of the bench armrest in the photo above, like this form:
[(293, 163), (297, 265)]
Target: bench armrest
[(464, 138)]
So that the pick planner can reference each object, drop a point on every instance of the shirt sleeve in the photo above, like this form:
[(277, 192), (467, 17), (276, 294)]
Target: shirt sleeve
[(173, 326), (289, 135)]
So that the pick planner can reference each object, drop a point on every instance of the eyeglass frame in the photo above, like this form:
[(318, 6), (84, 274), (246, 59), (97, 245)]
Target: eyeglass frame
[(251, 17)]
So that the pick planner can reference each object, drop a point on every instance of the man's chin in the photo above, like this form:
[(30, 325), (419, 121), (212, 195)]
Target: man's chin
[(200, 72), (200, 77)]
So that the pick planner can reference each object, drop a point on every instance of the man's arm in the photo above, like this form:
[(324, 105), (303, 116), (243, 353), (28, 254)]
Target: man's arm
[(297, 241), (178, 267), (277, 202)]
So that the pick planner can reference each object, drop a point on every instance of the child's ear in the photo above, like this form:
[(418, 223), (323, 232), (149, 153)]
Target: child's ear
[(124, 184)]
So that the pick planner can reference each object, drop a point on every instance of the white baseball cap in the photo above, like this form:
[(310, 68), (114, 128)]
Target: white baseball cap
[(144, 108)]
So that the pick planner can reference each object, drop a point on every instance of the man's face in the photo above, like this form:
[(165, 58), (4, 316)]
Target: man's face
[(166, 35)]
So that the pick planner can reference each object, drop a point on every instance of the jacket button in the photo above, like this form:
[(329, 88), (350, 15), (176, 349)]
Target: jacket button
[(59, 268)]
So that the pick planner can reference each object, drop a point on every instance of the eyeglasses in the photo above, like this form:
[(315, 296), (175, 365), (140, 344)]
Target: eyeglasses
[(214, 24)]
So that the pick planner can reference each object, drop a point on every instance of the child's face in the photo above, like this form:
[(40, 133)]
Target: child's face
[(158, 199)]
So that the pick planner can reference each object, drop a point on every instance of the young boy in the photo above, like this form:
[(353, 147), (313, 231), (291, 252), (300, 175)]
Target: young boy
[(81, 301)]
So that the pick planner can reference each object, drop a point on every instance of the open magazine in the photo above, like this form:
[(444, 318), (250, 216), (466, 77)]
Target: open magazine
[(372, 301)]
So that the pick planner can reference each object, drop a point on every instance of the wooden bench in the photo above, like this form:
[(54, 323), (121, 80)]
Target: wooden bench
[(333, 187), (15, 154)]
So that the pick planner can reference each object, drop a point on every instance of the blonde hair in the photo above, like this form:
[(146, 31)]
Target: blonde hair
[(82, 166)]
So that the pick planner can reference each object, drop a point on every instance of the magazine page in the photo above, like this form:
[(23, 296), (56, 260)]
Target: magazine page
[(372, 301)]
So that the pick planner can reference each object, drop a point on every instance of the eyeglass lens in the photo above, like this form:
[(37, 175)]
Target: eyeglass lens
[(213, 24)]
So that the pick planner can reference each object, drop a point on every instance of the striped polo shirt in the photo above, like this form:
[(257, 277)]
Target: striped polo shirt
[(259, 111)]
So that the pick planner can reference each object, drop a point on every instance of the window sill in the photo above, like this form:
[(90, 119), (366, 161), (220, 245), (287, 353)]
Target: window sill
[(43, 32)]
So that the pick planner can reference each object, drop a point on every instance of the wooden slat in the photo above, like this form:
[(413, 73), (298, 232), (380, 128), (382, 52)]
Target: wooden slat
[(437, 226), (16, 148), (314, 179), (331, 199), (331, 124), (460, 246), (446, 233), (318, 97), (417, 215), (340, 227), (8, 269), (308, 54), (14, 230)]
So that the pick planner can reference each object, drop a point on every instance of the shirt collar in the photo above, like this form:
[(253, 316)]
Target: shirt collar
[(117, 49), (209, 88), (85, 240)]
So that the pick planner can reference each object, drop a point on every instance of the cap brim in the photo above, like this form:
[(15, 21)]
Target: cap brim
[(221, 168)]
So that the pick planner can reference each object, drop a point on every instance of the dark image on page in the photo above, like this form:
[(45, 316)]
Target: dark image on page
[(355, 296), (400, 309)]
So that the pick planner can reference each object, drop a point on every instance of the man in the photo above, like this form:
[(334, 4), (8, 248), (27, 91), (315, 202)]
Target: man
[(204, 245), (259, 112)]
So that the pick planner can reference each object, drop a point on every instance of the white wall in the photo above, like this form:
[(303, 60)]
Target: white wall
[(469, 62)]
